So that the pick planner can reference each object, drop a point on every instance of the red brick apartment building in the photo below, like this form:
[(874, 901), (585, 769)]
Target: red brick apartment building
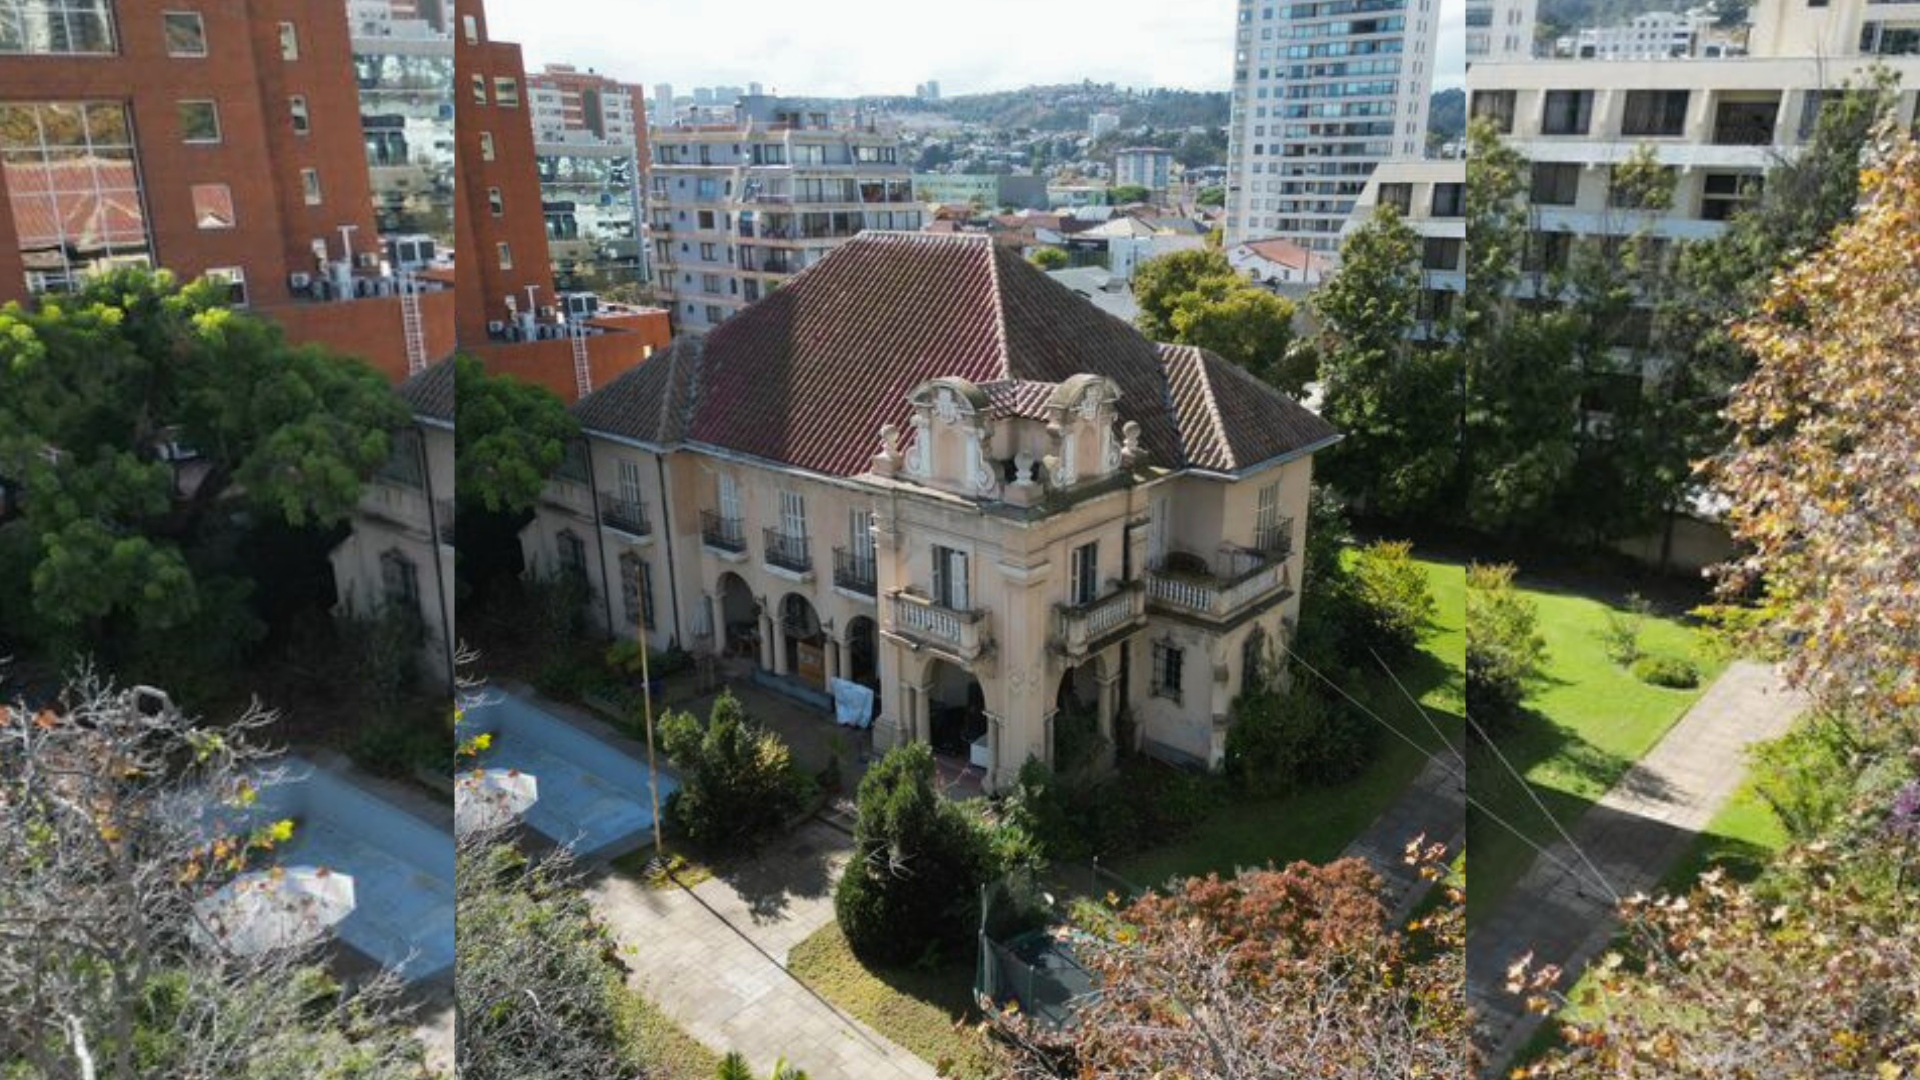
[(510, 314), (211, 137)]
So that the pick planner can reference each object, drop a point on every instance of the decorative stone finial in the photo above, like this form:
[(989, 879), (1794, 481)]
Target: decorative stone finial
[(1130, 452)]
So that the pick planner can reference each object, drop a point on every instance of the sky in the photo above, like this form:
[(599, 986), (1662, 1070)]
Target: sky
[(845, 48)]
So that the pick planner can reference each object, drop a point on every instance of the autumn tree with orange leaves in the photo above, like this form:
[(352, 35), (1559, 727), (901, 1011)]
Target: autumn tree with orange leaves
[(1823, 476), (1271, 973)]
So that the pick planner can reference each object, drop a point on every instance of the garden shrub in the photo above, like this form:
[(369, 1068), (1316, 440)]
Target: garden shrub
[(1391, 600), (738, 781), (1504, 646), (1807, 776), (1668, 671), (1282, 740), (912, 889), (1074, 817)]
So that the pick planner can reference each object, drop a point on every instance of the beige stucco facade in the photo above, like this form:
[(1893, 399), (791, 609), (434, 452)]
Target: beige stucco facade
[(401, 548), (962, 591)]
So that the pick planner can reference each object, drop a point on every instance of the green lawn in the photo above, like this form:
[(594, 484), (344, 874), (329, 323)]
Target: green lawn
[(928, 1011), (1317, 823), (1589, 719)]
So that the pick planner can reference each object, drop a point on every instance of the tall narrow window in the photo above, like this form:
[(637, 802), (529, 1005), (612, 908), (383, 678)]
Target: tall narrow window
[(486, 146), (729, 492), (793, 514), (504, 251), (289, 41), (860, 535), (297, 112), (495, 204), (950, 578), (310, 186), (1157, 523), (400, 580), (471, 27), (1085, 586), (630, 482), (1266, 520), (1167, 663), (573, 553)]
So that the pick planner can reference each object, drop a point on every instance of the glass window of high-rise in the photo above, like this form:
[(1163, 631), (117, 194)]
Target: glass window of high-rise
[(73, 190)]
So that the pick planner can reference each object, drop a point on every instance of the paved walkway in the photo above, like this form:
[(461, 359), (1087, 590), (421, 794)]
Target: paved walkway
[(714, 959), (1434, 805), (1634, 834)]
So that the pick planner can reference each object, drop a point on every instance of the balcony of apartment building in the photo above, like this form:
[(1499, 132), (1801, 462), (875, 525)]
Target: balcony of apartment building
[(951, 630), (1236, 581), (723, 535), (787, 553), (625, 515), (856, 572), (1084, 627)]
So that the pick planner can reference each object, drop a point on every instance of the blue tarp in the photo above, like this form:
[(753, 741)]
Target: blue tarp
[(852, 703)]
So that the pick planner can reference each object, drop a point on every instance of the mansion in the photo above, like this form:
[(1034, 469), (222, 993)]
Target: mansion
[(927, 468)]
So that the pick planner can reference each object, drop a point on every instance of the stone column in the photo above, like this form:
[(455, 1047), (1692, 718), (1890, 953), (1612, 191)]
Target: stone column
[(777, 635), (1109, 706)]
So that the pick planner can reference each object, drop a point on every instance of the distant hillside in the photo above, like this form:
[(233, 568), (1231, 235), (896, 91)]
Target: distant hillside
[(1065, 108), (1447, 115)]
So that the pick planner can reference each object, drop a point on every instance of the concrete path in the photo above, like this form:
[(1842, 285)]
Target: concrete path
[(714, 957), (1634, 834), (1434, 805)]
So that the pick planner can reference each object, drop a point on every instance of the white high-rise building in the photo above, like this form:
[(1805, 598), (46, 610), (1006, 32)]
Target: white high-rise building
[(1321, 94)]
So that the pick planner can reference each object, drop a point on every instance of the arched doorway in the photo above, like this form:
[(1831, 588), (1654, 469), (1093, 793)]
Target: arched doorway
[(1079, 735), (739, 618), (863, 652), (806, 657), (956, 711)]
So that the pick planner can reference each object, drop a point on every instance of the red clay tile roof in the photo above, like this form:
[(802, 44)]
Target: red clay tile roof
[(430, 393), (1013, 397), (807, 376)]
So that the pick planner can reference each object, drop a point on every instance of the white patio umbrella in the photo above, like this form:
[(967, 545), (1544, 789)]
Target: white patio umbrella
[(492, 798), (275, 909)]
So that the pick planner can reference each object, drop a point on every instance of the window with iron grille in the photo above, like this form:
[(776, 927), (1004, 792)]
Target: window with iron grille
[(1167, 662), (636, 590), (1266, 519), (573, 553)]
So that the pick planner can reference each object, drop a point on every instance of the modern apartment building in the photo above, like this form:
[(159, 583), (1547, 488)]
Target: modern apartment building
[(1716, 125), (511, 314), (403, 64), (1323, 91), (929, 469), (737, 209), (1150, 167), (590, 149), (1430, 196), (400, 554), (1499, 29), (212, 139)]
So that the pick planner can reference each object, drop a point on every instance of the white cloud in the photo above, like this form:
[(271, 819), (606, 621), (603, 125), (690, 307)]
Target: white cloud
[(848, 47)]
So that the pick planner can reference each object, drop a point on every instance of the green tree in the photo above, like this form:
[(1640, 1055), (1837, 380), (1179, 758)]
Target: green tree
[(912, 887), (1195, 298), (1395, 399), (512, 436), (121, 542), (1521, 384), (1125, 194), (1214, 195), (738, 780), (1049, 258)]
